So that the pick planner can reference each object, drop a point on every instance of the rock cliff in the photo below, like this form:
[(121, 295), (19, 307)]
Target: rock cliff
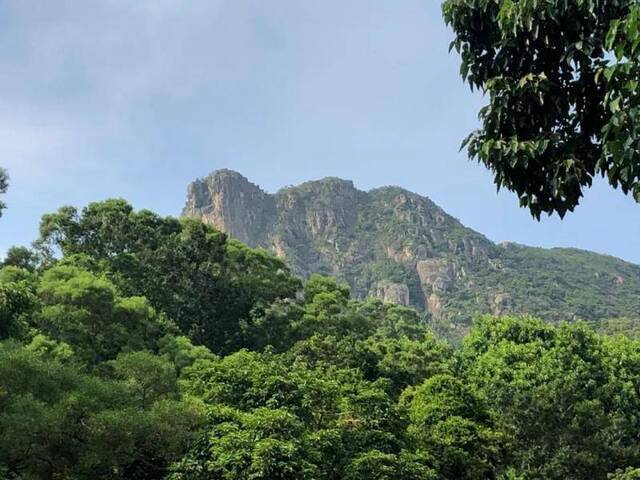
[(229, 202)]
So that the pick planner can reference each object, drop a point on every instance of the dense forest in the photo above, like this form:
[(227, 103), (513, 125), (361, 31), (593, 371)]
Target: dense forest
[(140, 347)]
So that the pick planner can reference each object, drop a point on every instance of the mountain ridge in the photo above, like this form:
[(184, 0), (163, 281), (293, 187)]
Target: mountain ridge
[(402, 247)]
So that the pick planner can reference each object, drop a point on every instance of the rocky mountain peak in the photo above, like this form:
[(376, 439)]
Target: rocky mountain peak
[(330, 226), (401, 247), (228, 201), (333, 184)]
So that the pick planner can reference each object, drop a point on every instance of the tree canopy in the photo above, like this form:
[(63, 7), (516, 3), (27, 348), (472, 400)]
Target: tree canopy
[(562, 82), (209, 286), (139, 347), (4, 185), (135, 346)]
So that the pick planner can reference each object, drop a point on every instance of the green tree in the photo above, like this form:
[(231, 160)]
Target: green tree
[(452, 423), (248, 380), (627, 474), (17, 301), (21, 257), (568, 397), (4, 185), (181, 352), (87, 312), (329, 311), (339, 415), (401, 361), (376, 465), (210, 287), (317, 284), (264, 444), (11, 274), (48, 349), (58, 422), (564, 104), (148, 377), (252, 280), (618, 326)]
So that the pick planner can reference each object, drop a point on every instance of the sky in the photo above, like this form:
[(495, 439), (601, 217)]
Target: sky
[(135, 99)]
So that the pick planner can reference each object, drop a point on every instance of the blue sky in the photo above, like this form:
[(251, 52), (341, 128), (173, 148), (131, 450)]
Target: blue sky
[(134, 99)]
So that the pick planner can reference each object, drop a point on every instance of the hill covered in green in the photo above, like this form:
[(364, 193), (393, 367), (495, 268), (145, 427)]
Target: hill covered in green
[(401, 247), (134, 346)]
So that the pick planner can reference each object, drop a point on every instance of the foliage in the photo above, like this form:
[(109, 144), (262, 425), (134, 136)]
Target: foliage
[(181, 352), (16, 302), (148, 377), (20, 257), (629, 327), (187, 271), (58, 422), (451, 422), (562, 81), (553, 284), (86, 312), (568, 397), (4, 185), (627, 474), (401, 361), (317, 419), (99, 381), (377, 465), (261, 445)]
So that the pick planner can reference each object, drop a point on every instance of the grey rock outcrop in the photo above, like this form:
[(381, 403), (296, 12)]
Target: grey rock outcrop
[(393, 292), (229, 202), (329, 226)]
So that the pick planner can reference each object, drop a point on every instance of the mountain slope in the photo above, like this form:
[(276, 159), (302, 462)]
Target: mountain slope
[(402, 247)]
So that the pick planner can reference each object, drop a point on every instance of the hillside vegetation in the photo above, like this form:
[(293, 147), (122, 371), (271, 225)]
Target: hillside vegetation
[(134, 346)]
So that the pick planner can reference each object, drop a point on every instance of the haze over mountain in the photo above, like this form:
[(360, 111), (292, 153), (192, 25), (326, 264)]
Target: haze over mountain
[(402, 247)]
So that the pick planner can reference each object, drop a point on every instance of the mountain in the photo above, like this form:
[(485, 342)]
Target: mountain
[(402, 247)]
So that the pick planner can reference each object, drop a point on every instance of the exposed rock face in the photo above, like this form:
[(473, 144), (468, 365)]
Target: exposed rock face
[(434, 305), (436, 278), (331, 227), (393, 292), (229, 202), (403, 248), (405, 255), (436, 274)]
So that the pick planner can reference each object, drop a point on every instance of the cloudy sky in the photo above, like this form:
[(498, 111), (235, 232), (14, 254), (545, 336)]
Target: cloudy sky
[(134, 99)]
